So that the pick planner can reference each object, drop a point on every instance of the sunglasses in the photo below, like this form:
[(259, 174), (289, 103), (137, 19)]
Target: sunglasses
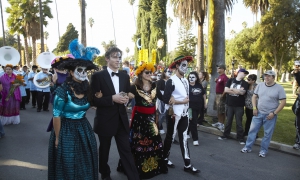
[(147, 72)]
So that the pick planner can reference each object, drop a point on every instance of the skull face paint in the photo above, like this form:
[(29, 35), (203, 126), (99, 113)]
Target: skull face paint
[(80, 73), (169, 73), (192, 78), (183, 67), (158, 76)]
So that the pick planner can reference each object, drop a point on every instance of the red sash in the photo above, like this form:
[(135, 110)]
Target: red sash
[(141, 109)]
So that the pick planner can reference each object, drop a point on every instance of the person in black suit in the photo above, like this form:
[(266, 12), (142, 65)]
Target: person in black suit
[(111, 116)]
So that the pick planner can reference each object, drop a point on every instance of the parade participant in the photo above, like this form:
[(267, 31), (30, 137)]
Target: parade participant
[(197, 102), (10, 103), (146, 143), (204, 79), (43, 95), (2, 133), (160, 105), (111, 117), (27, 87), (266, 106), (176, 94), (72, 152), (33, 88), (22, 88)]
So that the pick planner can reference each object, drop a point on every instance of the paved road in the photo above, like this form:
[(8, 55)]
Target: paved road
[(23, 156)]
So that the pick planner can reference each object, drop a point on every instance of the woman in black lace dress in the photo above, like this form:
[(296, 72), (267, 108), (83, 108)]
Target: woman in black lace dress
[(146, 143)]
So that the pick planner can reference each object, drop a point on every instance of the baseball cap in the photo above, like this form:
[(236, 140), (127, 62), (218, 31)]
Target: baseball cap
[(221, 66), (270, 72), (244, 71)]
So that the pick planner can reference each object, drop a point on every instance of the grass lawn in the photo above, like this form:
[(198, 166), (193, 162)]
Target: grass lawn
[(285, 131)]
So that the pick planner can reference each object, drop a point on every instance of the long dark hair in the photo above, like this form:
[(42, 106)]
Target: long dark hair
[(139, 82), (196, 74), (205, 75)]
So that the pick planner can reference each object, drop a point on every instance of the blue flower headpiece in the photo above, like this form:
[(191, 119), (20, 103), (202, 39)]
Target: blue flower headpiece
[(80, 52)]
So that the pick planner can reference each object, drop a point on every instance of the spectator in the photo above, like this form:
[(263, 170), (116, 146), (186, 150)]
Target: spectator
[(220, 99), (204, 79), (248, 102), (126, 67), (235, 101), (265, 111)]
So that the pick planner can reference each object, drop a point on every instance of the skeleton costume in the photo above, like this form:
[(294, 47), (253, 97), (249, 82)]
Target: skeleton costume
[(178, 113)]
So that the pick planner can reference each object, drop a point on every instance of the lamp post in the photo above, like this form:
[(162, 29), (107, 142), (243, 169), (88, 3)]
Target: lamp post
[(232, 63), (160, 44)]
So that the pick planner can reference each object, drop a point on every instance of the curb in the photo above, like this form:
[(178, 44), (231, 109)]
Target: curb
[(273, 145)]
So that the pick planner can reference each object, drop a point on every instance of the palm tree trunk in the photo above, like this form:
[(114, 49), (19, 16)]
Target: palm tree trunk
[(2, 24), (19, 48), (26, 51), (34, 50), (83, 23), (217, 48), (200, 46)]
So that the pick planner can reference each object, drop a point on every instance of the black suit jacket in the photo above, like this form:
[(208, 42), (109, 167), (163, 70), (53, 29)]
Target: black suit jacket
[(109, 113)]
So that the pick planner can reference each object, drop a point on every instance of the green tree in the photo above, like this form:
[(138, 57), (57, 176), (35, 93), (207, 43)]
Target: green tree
[(10, 40), (279, 32), (100, 60), (110, 43), (187, 42), (158, 23), (46, 36), (193, 9), (258, 5), (63, 44)]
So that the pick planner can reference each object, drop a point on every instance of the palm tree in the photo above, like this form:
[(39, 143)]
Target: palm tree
[(131, 2), (169, 21), (127, 50), (108, 45), (57, 21), (46, 35), (112, 15), (193, 9), (91, 23), (258, 5), (82, 5), (244, 24), (3, 31)]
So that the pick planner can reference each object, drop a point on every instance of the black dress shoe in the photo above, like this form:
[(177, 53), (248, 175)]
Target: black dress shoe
[(38, 110), (46, 110), (191, 169), (170, 164), (175, 142)]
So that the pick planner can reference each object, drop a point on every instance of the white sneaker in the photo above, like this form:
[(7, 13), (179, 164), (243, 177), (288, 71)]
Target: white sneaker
[(188, 136), (221, 127), (162, 131), (216, 124), (196, 143)]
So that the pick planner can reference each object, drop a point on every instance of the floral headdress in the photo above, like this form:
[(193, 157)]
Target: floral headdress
[(9, 65), (142, 67)]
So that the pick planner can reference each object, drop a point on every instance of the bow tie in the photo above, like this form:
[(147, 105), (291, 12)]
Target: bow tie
[(113, 73)]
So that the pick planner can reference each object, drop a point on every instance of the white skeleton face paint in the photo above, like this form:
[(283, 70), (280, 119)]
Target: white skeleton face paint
[(183, 67), (192, 78), (80, 73), (169, 73), (158, 76)]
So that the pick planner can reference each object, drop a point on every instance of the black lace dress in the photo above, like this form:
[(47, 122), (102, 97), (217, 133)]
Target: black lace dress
[(146, 143)]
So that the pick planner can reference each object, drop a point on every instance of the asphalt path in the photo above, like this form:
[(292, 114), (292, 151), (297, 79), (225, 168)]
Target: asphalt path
[(24, 156)]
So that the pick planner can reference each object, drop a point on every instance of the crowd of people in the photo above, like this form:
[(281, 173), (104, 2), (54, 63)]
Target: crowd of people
[(173, 95)]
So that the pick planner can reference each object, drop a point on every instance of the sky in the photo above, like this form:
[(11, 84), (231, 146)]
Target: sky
[(124, 22)]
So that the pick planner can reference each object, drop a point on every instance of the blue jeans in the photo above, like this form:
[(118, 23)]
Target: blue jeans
[(257, 122), (1, 130), (161, 118)]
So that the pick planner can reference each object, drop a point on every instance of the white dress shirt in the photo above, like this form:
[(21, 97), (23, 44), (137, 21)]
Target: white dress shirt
[(115, 80)]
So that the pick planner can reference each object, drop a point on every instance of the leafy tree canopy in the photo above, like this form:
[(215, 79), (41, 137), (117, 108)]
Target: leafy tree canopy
[(63, 44)]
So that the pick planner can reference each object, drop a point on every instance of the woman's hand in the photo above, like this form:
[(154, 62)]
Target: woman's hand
[(172, 100), (98, 94), (130, 95), (56, 143), (186, 100)]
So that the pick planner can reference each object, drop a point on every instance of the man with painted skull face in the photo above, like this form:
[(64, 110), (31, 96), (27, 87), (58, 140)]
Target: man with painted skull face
[(176, 96)]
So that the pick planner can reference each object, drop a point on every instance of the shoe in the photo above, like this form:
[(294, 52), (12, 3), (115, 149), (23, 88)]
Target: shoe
[(262, 154), (191, 169), (196, 143), (33, 106), (222, 137), (215, 125), (169, 163), (245, 150), (162, 131), (296, 146), (221, 127), (47, 110), (241, 141), (175, 142), (38, 110), (188, 136)]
